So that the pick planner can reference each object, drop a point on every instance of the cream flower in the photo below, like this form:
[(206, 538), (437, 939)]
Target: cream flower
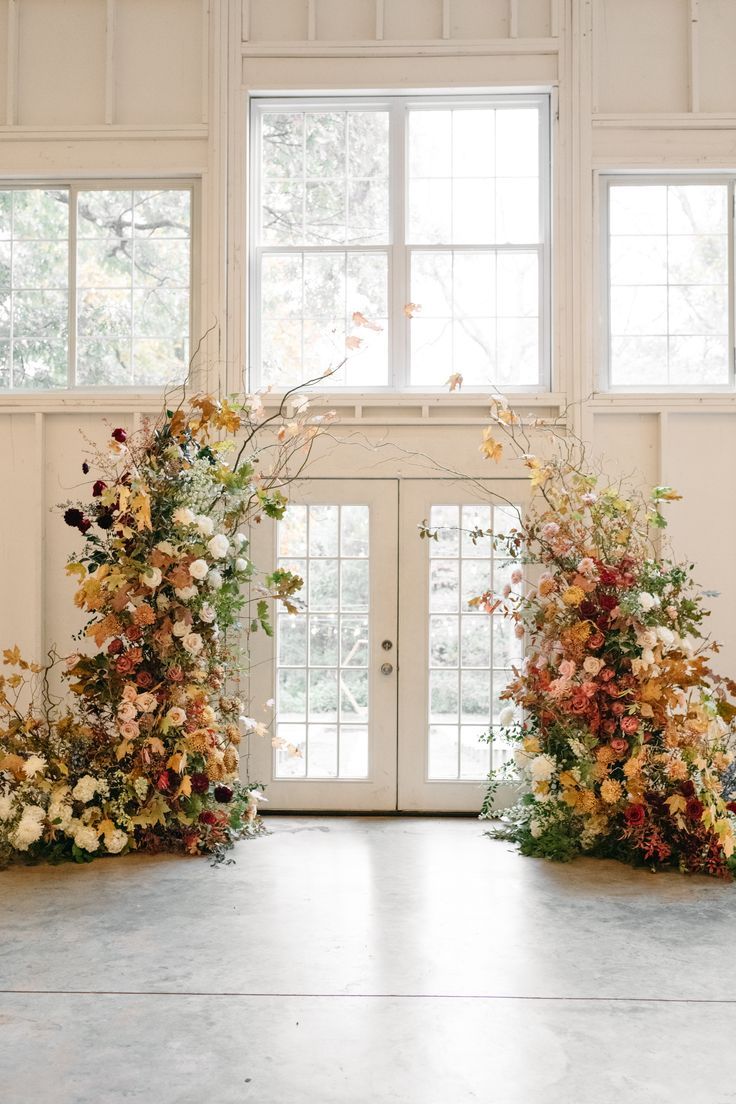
[(186, 593), (592, 665), (198, 569), (193, 643), (129, 730), (207, 613), (166, 547), (506, 716), (183, 516), (205, 525), (127, 710), (176, 716), (29, 827), (240, 540), (218, 546), (147, 702), (152, 577), (86, 838), (181, 628), (241, 564), (85, 788), (130, 693), (7, 801), (648, 601), (115, 841), (214, 578), (542, 767), (34, 765)]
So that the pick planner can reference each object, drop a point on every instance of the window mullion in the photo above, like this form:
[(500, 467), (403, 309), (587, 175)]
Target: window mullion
[(731, 282), (72, 289), (399, 253)]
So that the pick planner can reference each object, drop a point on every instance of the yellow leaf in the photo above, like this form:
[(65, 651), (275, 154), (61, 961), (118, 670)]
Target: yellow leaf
[(176, 761), (410, 309), (455, 381), (12, 655), (105, 827), (154, 814), (156, 745), (76, 569), (141, 507), (490, 447), (359, 319), (122, 749), (676, 803), (185, 788), (353, 342)]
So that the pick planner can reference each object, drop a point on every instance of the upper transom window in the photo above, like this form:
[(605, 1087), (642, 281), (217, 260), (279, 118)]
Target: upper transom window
[(369, 205)]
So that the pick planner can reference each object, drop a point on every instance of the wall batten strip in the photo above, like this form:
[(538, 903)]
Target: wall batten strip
[(693, 56), (204, 115), (110, 14), (513, 18), (311, 20), (446, 18), (380, 18), (245, 21), (11, 105)]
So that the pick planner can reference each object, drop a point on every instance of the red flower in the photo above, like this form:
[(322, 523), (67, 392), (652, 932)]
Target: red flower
[(579, 703), (630, 725), (607, 674), (609, 726), (115, 647), (98, 488), (208, 817), (200, 783), (133, 632), (608, 575), (120, 435), (619, 745), (85, 468), (608, 601), (635, 814), (731, 806), (144, 679), (223, 794), (694, 808), (618, 708), (175, 673), (596, 641), (124, 665), (687, 788)]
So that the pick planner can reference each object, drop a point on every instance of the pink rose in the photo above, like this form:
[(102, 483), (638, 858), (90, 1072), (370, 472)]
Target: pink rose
[(129, 730), (567, 668), (630, 725)]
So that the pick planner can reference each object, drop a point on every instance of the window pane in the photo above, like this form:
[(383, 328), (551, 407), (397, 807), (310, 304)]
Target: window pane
[(308, 300), (668, 270), (133, 286), (479, 317), (322, 678), (473, 175), (465, 682), (34, 274)]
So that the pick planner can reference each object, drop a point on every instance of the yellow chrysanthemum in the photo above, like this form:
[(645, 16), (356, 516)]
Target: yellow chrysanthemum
[(573, 596), (588, 801), (582, 630), (611, 791)]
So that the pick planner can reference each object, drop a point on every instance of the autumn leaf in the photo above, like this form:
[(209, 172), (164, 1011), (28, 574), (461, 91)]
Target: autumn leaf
[(141, 508), (105, 827), (176, 761), (676, 803), (76, 569), (490, 447), (122, 749), (12, 656), (455, 381), (353, 342), (359, 319), (410, 309), (185, 788), (156, 745), (228, 418)]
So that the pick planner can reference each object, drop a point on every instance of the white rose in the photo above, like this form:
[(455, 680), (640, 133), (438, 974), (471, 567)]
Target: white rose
[(198, 569), (166, 547), (506, 716), (36, 764), (116, 841), (646, 638), (176, 716), (592, 665), (241, 564), (127, 711), (240, 539), (205, 525), (207, 613), (218, 546), (180, 628), (214, 579), (152, 577), (183, 516), (647, 657), (86, 838), (7, 800), (648, 601), (666, 636), (162, 602), (186, 593), (193, 643), (542, 767), (85, 788)]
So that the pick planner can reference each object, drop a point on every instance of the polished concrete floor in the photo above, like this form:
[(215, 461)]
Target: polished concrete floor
[(365, 961)]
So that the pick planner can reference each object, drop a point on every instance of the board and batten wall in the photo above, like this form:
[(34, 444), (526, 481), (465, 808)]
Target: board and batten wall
[(125, 88)]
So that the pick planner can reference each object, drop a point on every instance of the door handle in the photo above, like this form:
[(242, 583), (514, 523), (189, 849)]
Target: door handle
[(387, 669)]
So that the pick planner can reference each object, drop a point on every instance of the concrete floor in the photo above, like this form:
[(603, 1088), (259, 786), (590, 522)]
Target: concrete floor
[(365, 961)]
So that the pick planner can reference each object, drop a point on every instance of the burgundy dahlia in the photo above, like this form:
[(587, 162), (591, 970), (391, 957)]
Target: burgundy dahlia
[(208, 817), (635, 814), (687, 788), (98, 487), (76, 519), (223, 794), (120, 435), (200, 783), (694, 808)]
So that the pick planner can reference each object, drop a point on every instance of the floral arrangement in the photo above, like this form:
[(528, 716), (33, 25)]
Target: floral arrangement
[(626, 732), (147, 756)]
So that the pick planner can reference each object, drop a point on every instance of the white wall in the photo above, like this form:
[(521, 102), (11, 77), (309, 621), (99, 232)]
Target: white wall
[(140, 87)]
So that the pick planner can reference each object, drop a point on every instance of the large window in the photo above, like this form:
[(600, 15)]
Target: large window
[(670, 282), (94, 286), (428, 217)]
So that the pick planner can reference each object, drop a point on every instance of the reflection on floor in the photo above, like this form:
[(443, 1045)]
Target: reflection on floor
[(366, 960)]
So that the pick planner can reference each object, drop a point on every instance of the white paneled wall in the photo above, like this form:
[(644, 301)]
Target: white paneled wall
[(106, 87)]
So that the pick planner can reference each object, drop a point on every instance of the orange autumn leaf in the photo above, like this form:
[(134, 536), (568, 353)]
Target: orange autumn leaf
[(353, 342), (490, 447), (455, 381), (359, 319), (410, 309)]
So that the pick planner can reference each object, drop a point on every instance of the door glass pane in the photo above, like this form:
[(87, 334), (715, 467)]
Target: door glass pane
[(471, 655), (322, 653)]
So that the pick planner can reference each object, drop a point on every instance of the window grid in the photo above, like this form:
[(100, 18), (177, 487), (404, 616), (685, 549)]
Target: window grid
[(397, 248), (471, 654), (71, 290), (322, 669), (668, 181)]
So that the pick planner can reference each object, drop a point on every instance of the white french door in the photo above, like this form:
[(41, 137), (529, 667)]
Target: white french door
[(331, 669), (386, 686)]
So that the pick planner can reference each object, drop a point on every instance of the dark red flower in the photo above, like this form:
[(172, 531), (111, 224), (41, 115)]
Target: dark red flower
[(587, 610), (687, 788), (630, 725), (619, 745), (694, 808), (75, 518), (223, 794), (731, 806), (609, 726), (116, 646), (120, 435), (618, 708), (200, 783), (208, 817), (85, 468), (144, 679), (105, 519), (608, 601), (635, 814), (608, 575), (98, 488)]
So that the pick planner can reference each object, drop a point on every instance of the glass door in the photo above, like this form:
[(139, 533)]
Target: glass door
[(456, 659), (331, 669)]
